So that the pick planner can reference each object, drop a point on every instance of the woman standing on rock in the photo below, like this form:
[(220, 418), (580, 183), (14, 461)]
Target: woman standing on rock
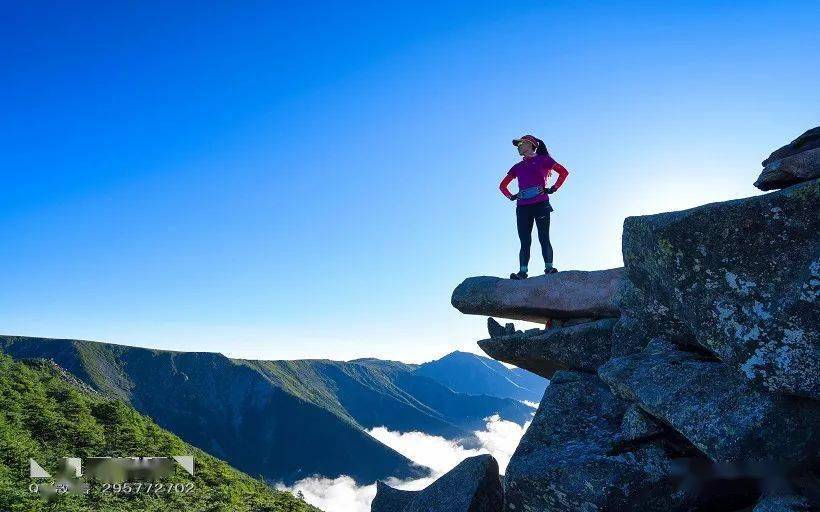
[(533, 206)]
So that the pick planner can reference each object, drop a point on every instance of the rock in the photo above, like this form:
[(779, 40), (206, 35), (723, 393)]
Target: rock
[(581, 347), (494, 328), (714, 407), (570, 294), (389, 499), (810, 139), (790, 170), (643, 317), (565, 460), (566, 322), (472, 486), (636, 425), (740, 278), (783, 503)]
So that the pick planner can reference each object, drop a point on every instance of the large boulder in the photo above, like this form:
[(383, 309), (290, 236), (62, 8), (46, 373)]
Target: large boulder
[(714, 406), (567, 460), (472, 486), (582, 347), (570, 294), (784, 503), (790, 170), (740, 278), (795, 162), (810, 139)]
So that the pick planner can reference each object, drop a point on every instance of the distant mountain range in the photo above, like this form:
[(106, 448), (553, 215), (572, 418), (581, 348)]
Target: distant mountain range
[(465, 372), (285, 420)]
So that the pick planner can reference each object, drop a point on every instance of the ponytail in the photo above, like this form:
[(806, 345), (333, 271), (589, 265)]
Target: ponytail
[(542, 148)]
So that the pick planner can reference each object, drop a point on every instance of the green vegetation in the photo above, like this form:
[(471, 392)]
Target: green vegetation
[(45, 414)]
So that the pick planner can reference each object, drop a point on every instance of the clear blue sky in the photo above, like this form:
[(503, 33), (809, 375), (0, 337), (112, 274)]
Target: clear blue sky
[(313, 181)]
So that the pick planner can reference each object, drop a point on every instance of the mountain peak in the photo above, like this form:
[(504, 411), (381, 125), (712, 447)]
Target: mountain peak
[(471, 373)]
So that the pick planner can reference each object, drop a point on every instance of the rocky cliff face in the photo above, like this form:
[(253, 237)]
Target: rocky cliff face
[(689, 379)]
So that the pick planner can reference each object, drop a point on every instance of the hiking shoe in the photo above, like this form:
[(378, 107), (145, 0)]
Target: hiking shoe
[(550, 270), (518, 275)]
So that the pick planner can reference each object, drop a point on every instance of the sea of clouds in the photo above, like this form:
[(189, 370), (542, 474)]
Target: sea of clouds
[(499, 438)]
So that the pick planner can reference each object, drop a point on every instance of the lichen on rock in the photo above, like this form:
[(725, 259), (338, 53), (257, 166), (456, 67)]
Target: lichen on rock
[(753, 300)]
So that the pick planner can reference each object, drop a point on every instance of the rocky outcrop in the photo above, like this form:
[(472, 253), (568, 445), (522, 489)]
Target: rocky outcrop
[(713, 406), (571, 294), (739, 278), (568, 461), (472, 486), (790, 170), (783, 503), (794, 163), (699, 389), (582, 347)]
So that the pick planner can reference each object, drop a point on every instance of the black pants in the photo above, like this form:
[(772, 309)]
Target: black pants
[(539, 213)]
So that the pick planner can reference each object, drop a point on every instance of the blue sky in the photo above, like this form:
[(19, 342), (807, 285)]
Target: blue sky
[(277, 181)]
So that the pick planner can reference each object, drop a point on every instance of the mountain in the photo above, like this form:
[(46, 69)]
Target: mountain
[(373, 393), (46, 414), (465, 372), (283, 420), (225, 408)]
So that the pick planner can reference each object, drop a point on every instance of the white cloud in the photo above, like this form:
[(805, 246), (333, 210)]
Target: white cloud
[(334, 494), (499, 438), (534, 405), (437, 453)]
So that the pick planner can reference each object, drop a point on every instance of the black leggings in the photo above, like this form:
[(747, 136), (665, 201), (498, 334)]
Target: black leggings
[(525, 216)]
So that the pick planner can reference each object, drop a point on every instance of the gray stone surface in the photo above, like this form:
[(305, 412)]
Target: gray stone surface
[(787, 503), (389, 499), (570, 294), (582, 347), (472, 486), (810, 139), (741, 278), (715, 407), (636, 425), (790, 170), (565, 461), (495, 329)]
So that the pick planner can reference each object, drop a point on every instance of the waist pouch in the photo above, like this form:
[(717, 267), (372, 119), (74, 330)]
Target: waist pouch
[(530, 192)]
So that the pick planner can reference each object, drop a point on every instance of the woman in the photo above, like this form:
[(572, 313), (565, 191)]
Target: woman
[(532, 173)]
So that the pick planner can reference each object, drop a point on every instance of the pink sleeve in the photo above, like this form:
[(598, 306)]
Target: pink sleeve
[(549, 163), (504, 183)]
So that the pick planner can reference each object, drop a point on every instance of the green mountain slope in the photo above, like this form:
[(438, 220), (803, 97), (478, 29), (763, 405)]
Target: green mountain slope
[(226, 408), (45, 415)]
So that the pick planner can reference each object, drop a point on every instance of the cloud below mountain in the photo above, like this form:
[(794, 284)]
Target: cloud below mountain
[(499, 438)]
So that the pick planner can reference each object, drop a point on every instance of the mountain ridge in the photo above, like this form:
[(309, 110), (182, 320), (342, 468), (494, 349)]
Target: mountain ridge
[(467, 372), (211, 400)]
